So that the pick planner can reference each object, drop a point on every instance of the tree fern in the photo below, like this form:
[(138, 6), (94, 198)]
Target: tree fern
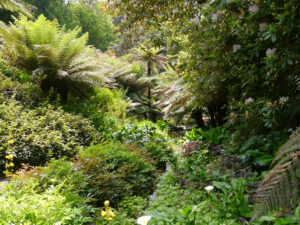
[(154, 61), (42, 46), (174, 98), (280, 189), (14, 6)]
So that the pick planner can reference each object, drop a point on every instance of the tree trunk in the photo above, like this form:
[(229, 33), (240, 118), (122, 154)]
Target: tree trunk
[(212, 117), (64, 91), (197, 115), (149, 92)]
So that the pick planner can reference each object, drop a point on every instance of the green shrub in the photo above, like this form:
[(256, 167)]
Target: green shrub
[(105, 108), (149, 138), (14, 72), (25, 93), (160, 152), (216, 135), (139, 132), (111, 101), (101, 121), (36, 136), (132, 206), (21, 203), (115, 171)]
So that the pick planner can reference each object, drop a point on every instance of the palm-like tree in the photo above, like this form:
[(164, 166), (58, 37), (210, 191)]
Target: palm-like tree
[(174, 98), (154, 61), (14, 6), (43, 47)]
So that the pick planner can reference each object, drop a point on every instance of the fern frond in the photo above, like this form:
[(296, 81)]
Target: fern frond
[(44, 46), (14, 6), (280, 189)]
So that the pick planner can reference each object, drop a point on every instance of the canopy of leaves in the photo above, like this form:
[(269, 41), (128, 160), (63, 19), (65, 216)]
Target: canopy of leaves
[(84, 14), (235, 49)]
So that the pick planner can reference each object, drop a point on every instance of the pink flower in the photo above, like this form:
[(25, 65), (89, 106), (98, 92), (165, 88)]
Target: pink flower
[(195, 20), (262, 26), (215, 16), (249, 100), (253, 8), (236, 47)]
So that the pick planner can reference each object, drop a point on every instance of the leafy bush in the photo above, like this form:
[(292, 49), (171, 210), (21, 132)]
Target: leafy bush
[(104, 108), (160, 152), (35, 136), (26, 93), (216, 135), (139, 132), (111, 101), (22, 203), (13, 72), (149, 138), (132, 206), (114, 171)]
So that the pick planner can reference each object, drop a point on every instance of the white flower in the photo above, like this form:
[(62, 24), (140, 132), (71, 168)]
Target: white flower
[(253, 8), (283, 100), (143, 220), (236, 48), (270, 52), (209, 188), (249, 100)]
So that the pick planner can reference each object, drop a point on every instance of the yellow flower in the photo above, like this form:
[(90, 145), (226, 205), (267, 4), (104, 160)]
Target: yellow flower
[(111, 213), (11, 164), (107, 214), (10, 142), (9, 157), (108, 218), (106, 203)]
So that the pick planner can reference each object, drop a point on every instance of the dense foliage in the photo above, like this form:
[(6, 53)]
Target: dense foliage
[(83, 14), (178, 122), (231, 50), (150, 138), (36, 135), (115, 171)]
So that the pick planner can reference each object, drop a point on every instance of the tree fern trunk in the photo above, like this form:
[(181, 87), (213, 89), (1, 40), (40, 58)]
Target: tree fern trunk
[(149, 92), (197, 115), (64, 91), (212, 117)]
